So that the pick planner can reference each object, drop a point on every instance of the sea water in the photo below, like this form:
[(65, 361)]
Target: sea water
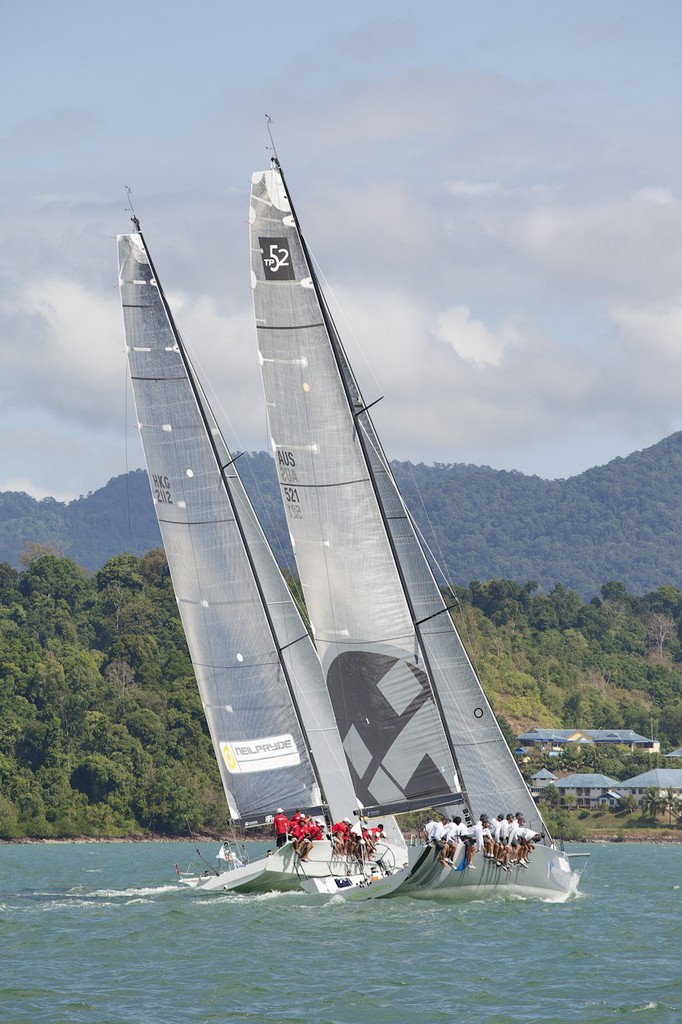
[(100, 933)]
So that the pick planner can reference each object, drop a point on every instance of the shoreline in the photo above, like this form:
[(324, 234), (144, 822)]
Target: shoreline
[(644, 837)]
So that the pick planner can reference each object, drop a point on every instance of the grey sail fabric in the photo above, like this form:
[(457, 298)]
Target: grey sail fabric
[(411, 712), (388, 720), (258, 674)]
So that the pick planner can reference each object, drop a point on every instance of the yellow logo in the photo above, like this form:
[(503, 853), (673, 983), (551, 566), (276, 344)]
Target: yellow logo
[(229, 758)]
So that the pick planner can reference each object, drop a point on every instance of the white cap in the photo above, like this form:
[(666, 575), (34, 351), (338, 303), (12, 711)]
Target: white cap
[(280, 810)]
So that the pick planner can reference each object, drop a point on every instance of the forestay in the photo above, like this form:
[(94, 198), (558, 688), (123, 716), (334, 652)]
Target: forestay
[(258, 674), (414, 720)]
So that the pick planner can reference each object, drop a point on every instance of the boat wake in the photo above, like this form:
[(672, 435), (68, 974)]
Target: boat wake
[(246, 898), (157, 890)]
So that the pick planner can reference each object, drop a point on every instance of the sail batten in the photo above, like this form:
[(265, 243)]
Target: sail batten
[(374, 580)]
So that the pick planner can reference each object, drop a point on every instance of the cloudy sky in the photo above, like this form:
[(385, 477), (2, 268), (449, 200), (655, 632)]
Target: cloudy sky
[(493, 192)]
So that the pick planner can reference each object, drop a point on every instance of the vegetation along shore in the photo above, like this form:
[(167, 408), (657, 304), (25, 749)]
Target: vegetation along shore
[(102, 733)]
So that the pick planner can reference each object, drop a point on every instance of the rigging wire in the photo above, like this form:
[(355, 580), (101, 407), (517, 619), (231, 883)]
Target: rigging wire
[(126, 389), (126, 394)]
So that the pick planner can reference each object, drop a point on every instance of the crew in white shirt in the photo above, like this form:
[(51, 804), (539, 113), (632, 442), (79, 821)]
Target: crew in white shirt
[(525, 839), (463, 833), (504, 848)]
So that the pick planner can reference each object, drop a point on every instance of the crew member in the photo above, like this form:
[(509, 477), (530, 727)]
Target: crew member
[(281, 825)]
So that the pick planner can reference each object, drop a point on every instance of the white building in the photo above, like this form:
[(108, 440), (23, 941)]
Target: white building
[(589, 789), (557, 739), (540, 781), (659, 779)]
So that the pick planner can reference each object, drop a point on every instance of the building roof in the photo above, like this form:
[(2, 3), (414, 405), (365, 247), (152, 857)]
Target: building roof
[(583, 736), (675, 753), (545, 735), (544, 773), (657, 778), (588, 780)]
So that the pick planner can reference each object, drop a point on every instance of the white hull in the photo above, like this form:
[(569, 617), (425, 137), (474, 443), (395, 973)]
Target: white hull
[(282, 871), (371, 886), (549, 876)]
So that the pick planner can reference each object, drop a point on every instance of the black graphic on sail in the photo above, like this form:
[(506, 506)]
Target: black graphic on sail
[(396, 762)]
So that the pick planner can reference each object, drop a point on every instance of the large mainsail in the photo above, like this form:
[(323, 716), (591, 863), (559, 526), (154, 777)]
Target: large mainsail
[(260, 680), (416, 725)]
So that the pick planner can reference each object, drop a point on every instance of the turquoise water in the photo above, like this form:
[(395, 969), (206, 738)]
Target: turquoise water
[(101, 934)]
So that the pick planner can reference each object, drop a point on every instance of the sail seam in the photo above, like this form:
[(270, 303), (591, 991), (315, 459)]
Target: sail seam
[(195, 522), (338, 483), (294, 327), (134, 376)]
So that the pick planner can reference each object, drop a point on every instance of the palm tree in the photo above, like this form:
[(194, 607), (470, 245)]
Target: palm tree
[(651, 803), (671, 804)]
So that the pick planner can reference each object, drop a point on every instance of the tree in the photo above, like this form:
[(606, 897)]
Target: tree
[(628, 803), (552, 795), (652, 803), (672, 804), (659, 629), (58, 578), (33, 551)]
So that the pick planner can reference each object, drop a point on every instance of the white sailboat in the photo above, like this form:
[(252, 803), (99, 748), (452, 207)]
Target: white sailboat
[(268, 711), (416, 726)]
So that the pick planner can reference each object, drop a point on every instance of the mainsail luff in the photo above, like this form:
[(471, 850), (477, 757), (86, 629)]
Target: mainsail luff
[(258, 674), (309, 361)]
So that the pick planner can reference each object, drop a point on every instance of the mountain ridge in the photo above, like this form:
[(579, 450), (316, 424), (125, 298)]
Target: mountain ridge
[(619, 521)]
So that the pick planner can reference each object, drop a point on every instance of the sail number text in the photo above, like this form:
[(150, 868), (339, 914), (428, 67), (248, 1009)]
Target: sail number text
[(161, 487), (291, 498), (286, 467)]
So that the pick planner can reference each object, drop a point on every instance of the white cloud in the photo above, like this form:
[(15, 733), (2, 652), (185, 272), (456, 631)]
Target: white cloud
[(507, 249), (471, 339)]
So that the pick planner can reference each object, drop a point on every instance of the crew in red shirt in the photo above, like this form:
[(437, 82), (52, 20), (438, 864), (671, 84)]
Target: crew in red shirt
[(281, 826), (341, 834), (299, 831), (315, 829)]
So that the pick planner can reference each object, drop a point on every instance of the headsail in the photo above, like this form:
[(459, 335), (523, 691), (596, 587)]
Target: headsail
[(258, 674), (416, 725)]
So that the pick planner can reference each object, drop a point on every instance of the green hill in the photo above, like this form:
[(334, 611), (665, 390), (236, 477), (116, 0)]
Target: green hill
[(618, 521), (102, 731)]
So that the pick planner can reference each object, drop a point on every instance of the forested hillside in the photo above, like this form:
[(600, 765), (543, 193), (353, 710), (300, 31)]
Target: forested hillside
[(620, 521), (118, 517), (102, 731)]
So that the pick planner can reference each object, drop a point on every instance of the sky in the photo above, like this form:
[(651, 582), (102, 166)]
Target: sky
[(493, 194)]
